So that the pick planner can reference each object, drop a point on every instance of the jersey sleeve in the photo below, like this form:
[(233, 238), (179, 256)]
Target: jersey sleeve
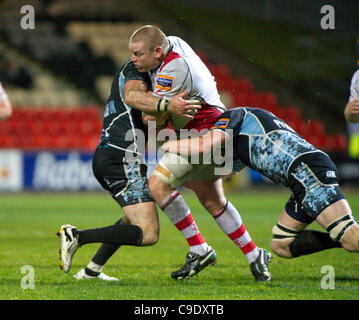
[(229, 120), (354, 87), (173, 78)]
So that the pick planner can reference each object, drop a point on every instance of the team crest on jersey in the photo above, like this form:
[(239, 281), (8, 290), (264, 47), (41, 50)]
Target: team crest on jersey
[(164, 82), (221, 123)]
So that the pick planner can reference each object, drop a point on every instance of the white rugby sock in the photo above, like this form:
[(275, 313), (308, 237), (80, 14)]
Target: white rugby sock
[(230, 222), (177, 210), (94, 267)]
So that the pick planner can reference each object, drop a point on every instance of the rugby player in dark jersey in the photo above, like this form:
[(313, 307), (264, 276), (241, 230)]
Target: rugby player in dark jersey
[(118, 167), (268, 145)]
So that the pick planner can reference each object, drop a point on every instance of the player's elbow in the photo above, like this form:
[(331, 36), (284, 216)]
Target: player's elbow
[(205, 148), (206, 143), (130, 98)]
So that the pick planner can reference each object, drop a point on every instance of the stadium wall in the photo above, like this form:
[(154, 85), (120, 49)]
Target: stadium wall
[(46, 171), (72, 171)]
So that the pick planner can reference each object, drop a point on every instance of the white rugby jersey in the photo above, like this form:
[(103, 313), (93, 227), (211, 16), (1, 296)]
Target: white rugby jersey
[(182, 69), (354, 94), (3, 95)]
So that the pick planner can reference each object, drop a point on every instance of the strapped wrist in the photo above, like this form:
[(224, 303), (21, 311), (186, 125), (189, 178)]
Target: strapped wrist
[(162, 105)]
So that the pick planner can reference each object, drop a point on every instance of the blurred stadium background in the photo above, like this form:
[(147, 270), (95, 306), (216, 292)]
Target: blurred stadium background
[(271, 54)]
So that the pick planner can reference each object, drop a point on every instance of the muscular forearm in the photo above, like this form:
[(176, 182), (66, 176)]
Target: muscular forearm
[(142, 100)]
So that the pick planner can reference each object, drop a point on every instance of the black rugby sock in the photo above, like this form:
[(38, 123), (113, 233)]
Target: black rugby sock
[(311, 241), (106, 251), (125, 234)]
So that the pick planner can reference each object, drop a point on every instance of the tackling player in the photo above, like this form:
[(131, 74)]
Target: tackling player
[(174, 67), (267, 144), (125, 180)]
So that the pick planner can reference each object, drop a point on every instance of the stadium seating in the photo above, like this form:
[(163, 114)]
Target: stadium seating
[(242, 93), (77, 49), (52, 129)]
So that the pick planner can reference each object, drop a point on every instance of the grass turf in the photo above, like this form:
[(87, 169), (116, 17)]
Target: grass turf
[(27, 236)]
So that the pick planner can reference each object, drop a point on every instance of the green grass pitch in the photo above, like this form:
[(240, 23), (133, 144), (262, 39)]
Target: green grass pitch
[(29, 221)]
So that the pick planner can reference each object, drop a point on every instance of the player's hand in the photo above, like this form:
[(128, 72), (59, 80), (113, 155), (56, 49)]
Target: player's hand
[(184, 108), (159, 117), (352, 111), (169, 146)]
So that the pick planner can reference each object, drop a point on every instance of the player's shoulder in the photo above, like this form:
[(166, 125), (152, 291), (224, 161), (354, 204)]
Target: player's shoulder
[(232, 116), (173, 62), (234, 113), (128, 66), (128, 71)]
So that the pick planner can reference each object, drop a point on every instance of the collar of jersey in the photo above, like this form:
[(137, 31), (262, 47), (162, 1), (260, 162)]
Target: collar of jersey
[(152, 71)]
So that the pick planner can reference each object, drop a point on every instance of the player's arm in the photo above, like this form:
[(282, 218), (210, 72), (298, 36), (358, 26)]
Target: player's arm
[(351, 111), (136, 96), (174, 82), (5, 104), (196, 146), (160, 118)]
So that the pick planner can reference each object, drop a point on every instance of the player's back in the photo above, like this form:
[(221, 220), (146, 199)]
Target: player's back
[(120, 119), (203, 82), (263, 141)]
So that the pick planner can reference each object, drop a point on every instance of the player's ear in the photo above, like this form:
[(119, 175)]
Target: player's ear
[(158, 51)]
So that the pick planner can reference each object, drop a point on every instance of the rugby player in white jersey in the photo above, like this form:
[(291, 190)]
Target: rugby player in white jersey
[(351, 112), (5, 104), (174, 67)]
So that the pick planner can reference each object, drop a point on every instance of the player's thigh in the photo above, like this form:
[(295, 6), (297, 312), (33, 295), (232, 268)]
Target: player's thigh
[(142, 214), (313, 179)]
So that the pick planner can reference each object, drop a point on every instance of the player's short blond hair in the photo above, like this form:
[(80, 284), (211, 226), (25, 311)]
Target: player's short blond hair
[(151, 36)]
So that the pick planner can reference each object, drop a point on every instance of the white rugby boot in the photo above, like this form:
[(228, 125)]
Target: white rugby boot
[(81, 275), (69, 245)]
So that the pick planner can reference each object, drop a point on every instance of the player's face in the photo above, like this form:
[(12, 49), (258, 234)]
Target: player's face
[(143, 58)]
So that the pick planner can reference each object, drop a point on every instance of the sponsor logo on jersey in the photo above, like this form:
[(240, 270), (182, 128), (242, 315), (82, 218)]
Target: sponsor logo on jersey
[(221, 123), (164, 82), (331, 174)]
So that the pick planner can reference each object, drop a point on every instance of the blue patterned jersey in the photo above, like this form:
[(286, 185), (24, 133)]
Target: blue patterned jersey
[(263, 141)]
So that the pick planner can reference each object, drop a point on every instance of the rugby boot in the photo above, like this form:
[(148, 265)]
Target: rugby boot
[(69, 245), (81, 275), (259, 267), (194, 264)]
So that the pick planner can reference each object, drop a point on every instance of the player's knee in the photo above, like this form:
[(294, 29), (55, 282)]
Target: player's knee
[(350, 239), (153, 181), (346, 231), (157, 185), (213, 205), (281, 248), (150, 238), (282, 237), (150, 234), (275, 247)]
